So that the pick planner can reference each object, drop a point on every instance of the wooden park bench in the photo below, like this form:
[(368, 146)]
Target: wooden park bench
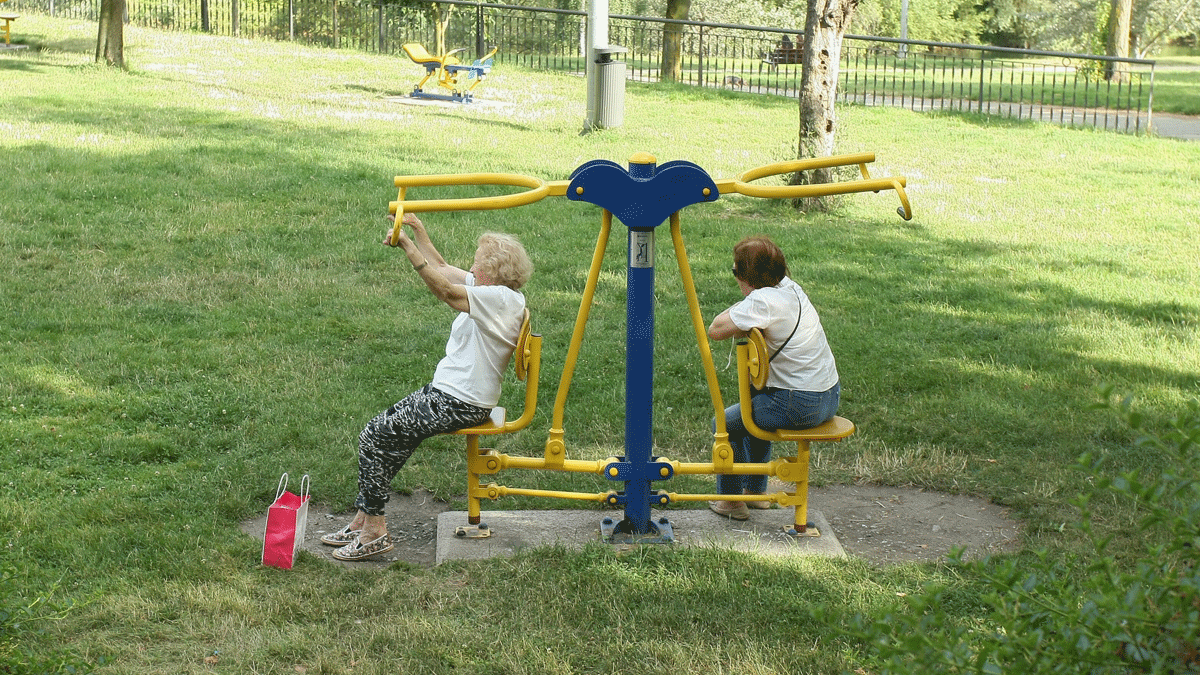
[(782, 56)]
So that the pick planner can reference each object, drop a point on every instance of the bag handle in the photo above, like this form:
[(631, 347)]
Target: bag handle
[(283, 481), (304, 484)]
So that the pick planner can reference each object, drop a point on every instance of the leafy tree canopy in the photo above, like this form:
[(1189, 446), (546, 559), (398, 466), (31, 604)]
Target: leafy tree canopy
[(1065, 25)]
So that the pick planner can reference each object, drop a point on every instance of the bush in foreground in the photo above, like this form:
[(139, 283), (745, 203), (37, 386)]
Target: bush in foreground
[(1045, 615)]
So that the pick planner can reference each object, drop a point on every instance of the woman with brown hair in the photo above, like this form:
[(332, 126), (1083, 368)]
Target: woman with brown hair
[(802, 389)]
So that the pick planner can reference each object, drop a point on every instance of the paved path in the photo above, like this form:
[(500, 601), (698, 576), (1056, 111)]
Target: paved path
[(1183, 127), (1164, 125)]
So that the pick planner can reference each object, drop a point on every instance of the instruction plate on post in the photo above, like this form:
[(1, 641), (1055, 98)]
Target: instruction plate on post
[(641, 248)]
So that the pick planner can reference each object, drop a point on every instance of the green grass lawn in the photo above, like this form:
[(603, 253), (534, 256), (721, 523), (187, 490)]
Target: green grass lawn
[(195, 300), (1177, 85)]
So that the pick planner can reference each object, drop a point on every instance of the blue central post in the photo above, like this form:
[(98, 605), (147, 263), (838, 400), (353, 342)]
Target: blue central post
[(642, 198), (639, 367)]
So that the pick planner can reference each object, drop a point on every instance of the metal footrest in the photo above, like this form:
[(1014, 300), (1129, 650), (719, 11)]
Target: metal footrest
[(810, 530), (480, 531)]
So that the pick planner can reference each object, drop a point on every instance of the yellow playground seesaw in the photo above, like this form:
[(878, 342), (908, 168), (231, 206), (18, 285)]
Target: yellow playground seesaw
[(642, 198), (449, 71)]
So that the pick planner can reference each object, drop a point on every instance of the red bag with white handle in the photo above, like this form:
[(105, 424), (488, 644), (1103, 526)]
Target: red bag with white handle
[(286, 520)]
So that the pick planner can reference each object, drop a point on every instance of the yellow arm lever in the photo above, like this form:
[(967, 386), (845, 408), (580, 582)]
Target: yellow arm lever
[(741, 184)]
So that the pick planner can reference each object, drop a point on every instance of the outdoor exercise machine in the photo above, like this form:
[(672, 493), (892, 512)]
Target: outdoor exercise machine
[(642, 197), (458, 78)]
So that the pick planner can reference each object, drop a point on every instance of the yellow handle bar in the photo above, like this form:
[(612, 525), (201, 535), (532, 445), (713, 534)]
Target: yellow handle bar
[(741, 184), (538, 189)]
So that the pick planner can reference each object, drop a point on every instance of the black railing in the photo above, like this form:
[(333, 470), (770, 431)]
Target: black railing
[(1068, 89), (1045, 86)]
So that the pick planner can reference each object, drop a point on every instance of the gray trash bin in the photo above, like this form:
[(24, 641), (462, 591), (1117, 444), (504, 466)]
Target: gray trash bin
[(608, 109)]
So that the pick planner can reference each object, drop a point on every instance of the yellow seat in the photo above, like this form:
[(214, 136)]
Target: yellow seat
[(527, 360), (419, 55), (443, 66), (448, 68), (753, 366)]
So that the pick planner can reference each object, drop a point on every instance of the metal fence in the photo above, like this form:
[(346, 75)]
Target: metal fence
[(1068, 89)]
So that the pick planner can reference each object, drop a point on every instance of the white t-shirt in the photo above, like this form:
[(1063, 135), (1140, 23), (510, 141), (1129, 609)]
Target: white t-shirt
[(806, 363), (480, 345)]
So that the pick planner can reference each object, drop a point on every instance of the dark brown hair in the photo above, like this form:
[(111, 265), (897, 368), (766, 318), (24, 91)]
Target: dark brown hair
[(759, 262)]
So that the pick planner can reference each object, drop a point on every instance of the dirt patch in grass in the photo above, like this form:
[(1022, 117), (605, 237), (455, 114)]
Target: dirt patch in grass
[(885, 525), (888, 525)]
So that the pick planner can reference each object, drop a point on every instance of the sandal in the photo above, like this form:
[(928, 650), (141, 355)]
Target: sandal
[(732, 510), (341, 537), (357, 550)]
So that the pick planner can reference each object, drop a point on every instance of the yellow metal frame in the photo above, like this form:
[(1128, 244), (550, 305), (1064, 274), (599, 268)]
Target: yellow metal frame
[(471, 75), (8, 18), (750, 359), (527, 360)]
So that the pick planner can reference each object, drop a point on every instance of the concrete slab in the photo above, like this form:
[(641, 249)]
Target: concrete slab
[(473, 104), (512, 531)]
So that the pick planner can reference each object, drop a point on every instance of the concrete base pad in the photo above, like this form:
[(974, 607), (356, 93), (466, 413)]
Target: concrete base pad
[(473, 104), (764, 533)]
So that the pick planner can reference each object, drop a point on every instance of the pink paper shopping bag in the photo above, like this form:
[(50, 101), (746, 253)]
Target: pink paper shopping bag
[(286, 520)]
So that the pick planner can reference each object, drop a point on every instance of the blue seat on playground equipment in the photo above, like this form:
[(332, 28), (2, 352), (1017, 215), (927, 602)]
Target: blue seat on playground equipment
[(754, 364), (448, 68)]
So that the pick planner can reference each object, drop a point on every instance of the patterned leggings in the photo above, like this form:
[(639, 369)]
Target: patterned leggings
[(390, 439)]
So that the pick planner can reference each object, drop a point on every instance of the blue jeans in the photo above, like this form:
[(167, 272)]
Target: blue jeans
[(773, 409)]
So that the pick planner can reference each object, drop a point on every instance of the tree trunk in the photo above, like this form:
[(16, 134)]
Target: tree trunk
[(1118, 40), (672, 50), (824, 28), (110, 42), (439, 14)]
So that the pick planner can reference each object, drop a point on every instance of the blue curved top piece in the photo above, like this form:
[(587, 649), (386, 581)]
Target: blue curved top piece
[(644, 196)]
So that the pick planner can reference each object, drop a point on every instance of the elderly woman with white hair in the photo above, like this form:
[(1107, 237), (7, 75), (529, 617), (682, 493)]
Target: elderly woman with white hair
[(466, 384)]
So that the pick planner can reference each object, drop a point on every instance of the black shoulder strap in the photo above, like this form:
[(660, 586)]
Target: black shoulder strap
[(799, 311)]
